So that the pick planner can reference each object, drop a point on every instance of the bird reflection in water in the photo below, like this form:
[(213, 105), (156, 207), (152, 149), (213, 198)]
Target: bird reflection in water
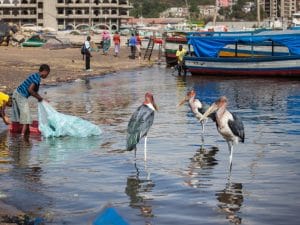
[(230, 201), (202, 162), (137, 189)]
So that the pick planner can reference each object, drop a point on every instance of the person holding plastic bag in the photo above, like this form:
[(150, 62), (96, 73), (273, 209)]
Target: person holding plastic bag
[(20, 105)]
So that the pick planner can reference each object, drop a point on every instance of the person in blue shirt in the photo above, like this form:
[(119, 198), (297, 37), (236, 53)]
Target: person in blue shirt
[(132, 43), (20, 104)]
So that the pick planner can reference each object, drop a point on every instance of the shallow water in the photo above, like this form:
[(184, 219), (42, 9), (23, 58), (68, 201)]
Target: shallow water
[(70, 180)]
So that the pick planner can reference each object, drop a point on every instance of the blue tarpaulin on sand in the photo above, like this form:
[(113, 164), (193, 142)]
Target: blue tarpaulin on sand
[(110, 217), (211, 46)]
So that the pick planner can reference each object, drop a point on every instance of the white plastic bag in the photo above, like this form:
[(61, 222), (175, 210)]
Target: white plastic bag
[(55, 124)]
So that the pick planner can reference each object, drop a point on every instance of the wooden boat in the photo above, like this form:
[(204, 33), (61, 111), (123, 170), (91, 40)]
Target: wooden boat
[(208, 62)]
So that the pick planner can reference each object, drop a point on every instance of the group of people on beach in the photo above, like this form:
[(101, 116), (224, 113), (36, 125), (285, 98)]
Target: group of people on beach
[(134, 43)]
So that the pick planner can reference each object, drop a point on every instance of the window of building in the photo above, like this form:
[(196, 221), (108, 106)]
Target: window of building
[(96, 12), (24, 12), (40, 16), (105, 1), (60, 1), (78, 1), (40, 5), (114, 11), (32, 1), (96, 2), (123, 13), (60, 21), (32, 11), (122, 2), (6, 12), (24, 2), (78, 12), (114, 1), (69, 12), (105, 11), (60, 11), (15, 12)]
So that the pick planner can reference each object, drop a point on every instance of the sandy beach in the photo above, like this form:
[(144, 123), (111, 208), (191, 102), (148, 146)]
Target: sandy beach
[(66, 64), (17, 63)]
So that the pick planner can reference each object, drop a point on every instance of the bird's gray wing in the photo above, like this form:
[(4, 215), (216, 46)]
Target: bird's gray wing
[(237, 127), (138, 126)]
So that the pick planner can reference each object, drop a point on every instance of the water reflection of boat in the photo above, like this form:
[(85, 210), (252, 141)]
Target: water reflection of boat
[(137, 190), (208, 62), (230, 201)]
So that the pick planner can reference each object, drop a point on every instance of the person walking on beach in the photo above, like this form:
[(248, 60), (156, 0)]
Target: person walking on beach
[(106, 42), (5, 101), (132, 44), (138, 45), (20, 103), (117, 42), (180, 53), (87, 53)]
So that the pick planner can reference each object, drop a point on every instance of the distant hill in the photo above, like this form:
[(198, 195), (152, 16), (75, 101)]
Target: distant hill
[(152, 8)]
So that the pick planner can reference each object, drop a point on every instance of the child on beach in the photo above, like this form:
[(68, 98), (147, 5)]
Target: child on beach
[(5, 101), (20, 104)]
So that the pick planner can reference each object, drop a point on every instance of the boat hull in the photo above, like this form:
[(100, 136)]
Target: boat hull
[(259, 66)]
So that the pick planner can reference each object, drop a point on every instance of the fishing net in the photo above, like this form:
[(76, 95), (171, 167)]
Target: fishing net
[(55, 124)]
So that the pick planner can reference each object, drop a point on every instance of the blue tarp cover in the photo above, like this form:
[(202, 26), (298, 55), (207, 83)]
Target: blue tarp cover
[(211, 46), (109, 217)]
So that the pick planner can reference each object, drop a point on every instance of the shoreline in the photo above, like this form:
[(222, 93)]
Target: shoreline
[(66, 65)]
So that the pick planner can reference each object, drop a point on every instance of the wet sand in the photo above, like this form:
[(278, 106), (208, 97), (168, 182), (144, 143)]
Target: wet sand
[(66, 64), (17, 63)]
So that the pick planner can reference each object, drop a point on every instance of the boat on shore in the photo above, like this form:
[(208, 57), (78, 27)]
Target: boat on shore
[(207, 60), (172, 39)]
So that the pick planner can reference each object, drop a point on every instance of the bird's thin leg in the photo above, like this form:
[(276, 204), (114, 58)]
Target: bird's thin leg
[(145, 149), (230, 147), (202, 135)]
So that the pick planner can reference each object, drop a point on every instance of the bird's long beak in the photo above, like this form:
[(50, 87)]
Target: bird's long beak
[(209, 111), (182, 101)]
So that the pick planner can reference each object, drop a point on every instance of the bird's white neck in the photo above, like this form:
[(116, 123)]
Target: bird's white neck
[(150, 106)]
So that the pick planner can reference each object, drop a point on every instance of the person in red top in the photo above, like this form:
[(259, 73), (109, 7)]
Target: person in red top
[(138, 44), (117, 42)]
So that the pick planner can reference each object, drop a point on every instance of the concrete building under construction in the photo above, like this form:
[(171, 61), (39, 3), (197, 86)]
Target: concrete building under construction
[(280, 8), (61, 14)]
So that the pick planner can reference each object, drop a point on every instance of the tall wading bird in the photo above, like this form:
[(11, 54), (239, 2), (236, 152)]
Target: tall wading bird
[(140, 123), (229, 125), (197, 107)]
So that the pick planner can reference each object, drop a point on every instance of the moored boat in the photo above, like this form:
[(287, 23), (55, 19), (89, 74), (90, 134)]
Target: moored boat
[(208, 62)]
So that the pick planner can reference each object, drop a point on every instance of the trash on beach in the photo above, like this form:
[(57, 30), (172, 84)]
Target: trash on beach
[(55, 124)]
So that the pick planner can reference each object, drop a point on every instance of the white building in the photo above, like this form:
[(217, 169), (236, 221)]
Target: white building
[(60, 14), (175, 12)]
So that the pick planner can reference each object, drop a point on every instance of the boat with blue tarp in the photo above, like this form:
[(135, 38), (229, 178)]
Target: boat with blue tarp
[(207, 60)]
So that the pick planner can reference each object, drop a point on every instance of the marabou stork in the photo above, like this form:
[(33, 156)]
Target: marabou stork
[(140, 123), (197, 107), (229, 125)]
